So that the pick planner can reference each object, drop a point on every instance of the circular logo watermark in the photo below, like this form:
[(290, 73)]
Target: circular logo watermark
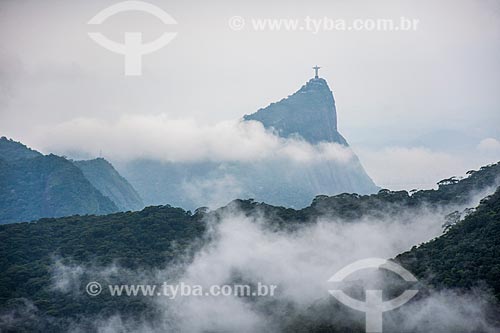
[(93, 288), (373, 306), (133, 49), (236, 23)]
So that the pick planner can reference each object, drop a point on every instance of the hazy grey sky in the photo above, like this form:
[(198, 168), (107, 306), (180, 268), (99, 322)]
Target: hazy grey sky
[(405, 99)]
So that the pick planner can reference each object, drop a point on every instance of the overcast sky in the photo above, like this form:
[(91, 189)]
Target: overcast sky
[(415, 105)]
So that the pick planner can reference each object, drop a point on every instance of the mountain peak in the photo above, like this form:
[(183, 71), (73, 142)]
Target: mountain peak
[(317, 86), (309, 113), (316, 83)]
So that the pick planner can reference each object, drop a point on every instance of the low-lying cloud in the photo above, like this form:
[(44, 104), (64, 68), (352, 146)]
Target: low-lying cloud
[(407, 168), (299, 263), (185, 140), (182, 140)]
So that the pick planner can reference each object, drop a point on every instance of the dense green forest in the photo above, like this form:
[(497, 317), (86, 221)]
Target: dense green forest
[(134, 240), (467, 255), (157, 236)]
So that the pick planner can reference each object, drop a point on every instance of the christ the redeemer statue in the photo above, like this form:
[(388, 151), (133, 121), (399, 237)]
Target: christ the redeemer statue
[(316, 68)]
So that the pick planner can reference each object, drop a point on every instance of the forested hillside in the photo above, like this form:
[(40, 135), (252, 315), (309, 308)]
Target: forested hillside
[(33, 186), (158, 236), (466, 256), (150, 238), (47, 186)]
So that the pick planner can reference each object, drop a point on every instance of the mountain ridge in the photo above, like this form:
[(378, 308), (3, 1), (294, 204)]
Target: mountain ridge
[(13, 150), (110, 183), (47, 186), (33, 186)]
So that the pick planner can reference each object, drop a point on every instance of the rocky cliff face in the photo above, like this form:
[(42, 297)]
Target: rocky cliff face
[(109, 182), (310, 113)]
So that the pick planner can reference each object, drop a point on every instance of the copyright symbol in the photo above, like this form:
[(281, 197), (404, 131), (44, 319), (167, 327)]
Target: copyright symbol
[(93, 288), (236, 23)]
